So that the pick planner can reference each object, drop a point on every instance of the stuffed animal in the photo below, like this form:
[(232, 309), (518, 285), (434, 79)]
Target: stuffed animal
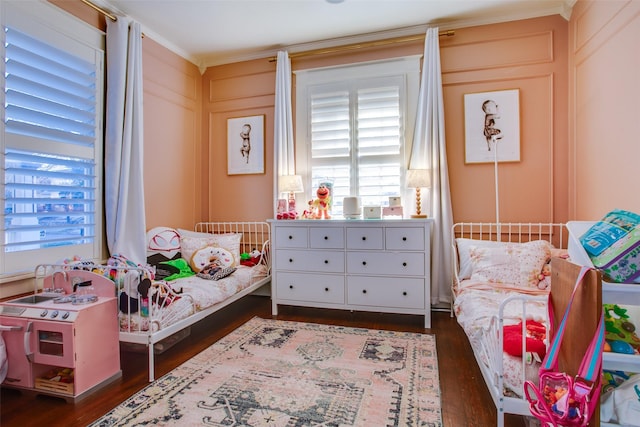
[(535, 335), (322, 203), (250, 259), (129, 294), (310, 212), (544, 278)]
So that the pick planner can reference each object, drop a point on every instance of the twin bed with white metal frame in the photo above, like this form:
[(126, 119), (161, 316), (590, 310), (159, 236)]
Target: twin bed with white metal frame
[(501, 278), (172, 306)]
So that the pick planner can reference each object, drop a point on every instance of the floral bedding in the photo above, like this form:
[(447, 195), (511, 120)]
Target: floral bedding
[(476, 309), (204, 293)]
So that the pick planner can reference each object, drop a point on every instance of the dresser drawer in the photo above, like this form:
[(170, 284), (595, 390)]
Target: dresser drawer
[(404, 238), (291, 237), (326, 238), (364, 238), (321, 261), (386, 263), (326, 288), (386, 292)]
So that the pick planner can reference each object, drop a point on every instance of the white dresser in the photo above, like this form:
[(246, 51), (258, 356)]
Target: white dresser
[(368, 265)]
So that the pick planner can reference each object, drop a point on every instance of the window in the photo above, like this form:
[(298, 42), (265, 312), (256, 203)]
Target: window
[(51, 137), (352, 128)]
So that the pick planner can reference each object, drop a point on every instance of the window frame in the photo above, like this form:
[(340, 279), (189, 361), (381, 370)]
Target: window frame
[(407, 68), (58, 28)]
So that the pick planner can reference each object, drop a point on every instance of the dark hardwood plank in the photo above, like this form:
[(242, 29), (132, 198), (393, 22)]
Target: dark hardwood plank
[(465, 399)]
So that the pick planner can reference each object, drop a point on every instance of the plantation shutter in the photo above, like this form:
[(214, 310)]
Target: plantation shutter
[(52, 145), (356, 139)]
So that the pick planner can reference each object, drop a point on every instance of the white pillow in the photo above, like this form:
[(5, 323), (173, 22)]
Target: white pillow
[(519, 264), (464, 258), (163, 240)]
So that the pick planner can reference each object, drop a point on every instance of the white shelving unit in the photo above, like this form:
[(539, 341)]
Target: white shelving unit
[(612, 293)]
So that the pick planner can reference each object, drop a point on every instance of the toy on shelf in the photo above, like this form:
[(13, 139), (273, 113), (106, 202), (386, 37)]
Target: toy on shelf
[(322, 204), (620, 332)]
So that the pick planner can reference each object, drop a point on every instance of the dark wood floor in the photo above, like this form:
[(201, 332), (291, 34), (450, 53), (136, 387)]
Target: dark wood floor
[(465, 399)]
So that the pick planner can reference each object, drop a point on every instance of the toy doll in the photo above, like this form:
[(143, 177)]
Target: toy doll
[(322, 203)]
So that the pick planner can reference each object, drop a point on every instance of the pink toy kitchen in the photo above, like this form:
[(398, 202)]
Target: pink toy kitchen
[(63, 339)]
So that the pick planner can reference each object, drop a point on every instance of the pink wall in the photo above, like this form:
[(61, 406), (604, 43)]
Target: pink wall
[(530, 55), (603, 112), (176, 163), (577, 127), (232, 91)]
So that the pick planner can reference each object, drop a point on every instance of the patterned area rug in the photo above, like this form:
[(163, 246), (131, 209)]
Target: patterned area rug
[(271, 373)]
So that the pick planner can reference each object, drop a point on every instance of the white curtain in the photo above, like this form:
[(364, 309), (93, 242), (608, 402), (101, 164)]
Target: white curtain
[(284, 149), (124, 186), (429, 152)]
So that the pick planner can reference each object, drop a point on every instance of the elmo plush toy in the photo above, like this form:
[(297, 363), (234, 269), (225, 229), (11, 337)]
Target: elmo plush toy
[(322, 204), (534, 339)]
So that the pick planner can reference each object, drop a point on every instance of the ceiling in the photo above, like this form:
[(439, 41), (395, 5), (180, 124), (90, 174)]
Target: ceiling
[(213, 32)]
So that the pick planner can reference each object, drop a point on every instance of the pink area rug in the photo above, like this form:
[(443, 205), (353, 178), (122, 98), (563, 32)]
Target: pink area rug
[(271, 373)]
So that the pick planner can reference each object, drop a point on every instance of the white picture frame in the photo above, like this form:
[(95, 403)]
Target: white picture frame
[(245, 145), (492, 126)]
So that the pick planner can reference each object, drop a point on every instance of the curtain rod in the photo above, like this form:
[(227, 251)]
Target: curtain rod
[(103, 12), (357, 46), (99, 9)]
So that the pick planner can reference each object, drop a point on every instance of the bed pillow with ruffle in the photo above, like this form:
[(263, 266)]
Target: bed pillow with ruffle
[(463, 246), (518, 264)]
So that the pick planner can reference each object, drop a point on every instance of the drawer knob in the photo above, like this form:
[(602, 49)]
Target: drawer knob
[(404, 239), (326, 237), (364, 237), (290, 259), (290, 286), (364, 291), (326, 289), (326, 261), (404, 264), (364, 262), (404, 293), (290, 237)]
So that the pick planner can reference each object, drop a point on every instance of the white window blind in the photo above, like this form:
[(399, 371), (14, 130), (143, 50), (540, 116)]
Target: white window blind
[(354, 123), (52, 143)]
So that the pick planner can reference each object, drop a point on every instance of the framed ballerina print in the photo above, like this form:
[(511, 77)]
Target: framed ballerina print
[(245, 145), (492, 126)]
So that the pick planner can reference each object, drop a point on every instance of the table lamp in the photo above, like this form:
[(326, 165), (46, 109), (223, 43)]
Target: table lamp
[(418, 178), (290, 184)]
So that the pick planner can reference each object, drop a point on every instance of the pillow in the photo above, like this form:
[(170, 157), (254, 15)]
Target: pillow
[(163, 240), (464, 258), (214, 272), (190, 243), (519, 264), (211, 255)]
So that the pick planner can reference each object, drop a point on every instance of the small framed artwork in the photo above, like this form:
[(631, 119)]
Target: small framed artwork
[(245, 145), (492, 126)]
